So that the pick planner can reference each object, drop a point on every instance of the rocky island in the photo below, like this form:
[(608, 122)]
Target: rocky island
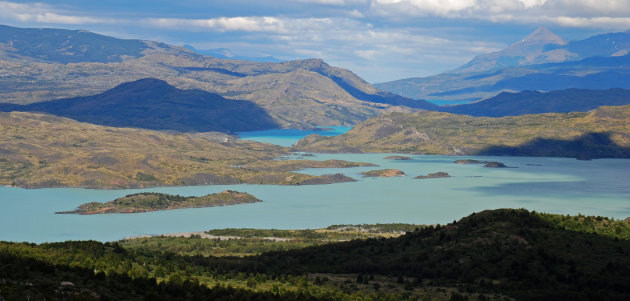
[(384, 173), (401, 158), (489, 164), (435, 175), (151, 201)]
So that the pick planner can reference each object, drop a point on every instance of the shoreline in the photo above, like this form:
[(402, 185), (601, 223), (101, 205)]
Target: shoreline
[(202, 234)]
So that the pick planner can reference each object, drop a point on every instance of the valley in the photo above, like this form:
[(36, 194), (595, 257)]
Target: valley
[(133, 169)]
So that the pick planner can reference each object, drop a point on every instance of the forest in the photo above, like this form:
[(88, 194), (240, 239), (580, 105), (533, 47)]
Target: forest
[(504, 254)]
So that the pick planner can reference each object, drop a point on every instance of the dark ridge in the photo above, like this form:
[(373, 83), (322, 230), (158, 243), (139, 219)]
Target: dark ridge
[(534, 102), (67, 46), (550, 81), (217, 70), (382, 97), (586, 147), (154, 104)]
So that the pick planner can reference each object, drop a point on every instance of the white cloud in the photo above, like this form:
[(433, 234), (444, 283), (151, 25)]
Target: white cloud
[(326, 2), (42, 13), (265, 24), (611, 14)]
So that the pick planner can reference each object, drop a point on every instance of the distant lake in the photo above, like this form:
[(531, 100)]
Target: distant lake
[(287, 137), (557, 185)]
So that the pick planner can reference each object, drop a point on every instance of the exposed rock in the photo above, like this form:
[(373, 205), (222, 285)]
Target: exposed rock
[(384, 173), (494, 165), (327, 179), (398, 158), (434, 175)]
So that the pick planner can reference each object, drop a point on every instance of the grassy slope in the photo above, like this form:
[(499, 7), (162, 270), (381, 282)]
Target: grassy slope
[(443, 133), (515, 253), (43, 151)]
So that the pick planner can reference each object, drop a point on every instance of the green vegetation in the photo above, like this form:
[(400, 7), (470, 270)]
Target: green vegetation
[(491, 255), (383, 173), (152, 201), (601, 133), (247, 242), (46, 151)]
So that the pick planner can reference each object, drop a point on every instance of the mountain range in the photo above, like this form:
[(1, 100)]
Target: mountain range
[(154, 104), (48, 64), (541, 61), (535, 102)]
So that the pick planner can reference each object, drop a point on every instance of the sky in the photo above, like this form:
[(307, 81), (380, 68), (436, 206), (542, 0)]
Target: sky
[(380, 40)]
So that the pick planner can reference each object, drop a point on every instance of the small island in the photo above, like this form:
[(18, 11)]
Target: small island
[(152, 201), (435, 175), (398, 158), (489, 164), (384, 173)]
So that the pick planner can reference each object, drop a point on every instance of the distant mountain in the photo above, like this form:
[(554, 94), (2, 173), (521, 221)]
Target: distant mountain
[(601, 133), (45, 64), (534, 102), (541, 61), (224, 53), (154, 104), (528, 51), (65, 46)]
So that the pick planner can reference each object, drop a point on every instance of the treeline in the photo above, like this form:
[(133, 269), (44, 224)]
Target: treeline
[(524, 255)]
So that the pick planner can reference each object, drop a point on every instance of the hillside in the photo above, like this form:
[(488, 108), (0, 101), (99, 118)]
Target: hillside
[(39, 150), (602, 133), (156, 105), (541, 61), (491, 255), (69, 63), (534, 102)]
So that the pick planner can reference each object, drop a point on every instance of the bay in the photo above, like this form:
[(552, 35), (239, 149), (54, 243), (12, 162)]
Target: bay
[(556, 185)]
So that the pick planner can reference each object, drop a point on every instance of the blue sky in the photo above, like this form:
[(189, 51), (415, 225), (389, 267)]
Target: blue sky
[(380, 40)]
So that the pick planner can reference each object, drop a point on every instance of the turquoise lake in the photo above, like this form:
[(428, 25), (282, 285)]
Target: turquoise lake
[(556, 185)]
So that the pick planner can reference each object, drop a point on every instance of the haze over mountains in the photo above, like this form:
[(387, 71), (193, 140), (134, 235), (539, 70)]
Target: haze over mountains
[(541, 61), (46, 64)]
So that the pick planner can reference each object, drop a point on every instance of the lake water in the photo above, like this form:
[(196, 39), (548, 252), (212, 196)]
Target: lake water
[(287, 137), (557, 185)]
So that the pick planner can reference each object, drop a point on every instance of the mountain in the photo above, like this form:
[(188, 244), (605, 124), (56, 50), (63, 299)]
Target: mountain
[(601, 133), (47, 64), (528, 51), (534, 102), (541, 61), (154, 104), (224, 53)]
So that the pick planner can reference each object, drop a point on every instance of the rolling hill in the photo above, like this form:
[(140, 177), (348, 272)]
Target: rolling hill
[(48, 64), (156, 105), (38, 150), (602, 133)]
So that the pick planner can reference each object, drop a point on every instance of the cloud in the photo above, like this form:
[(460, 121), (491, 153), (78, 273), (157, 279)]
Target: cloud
[(569, 13), (264, 24), (42, 13)]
